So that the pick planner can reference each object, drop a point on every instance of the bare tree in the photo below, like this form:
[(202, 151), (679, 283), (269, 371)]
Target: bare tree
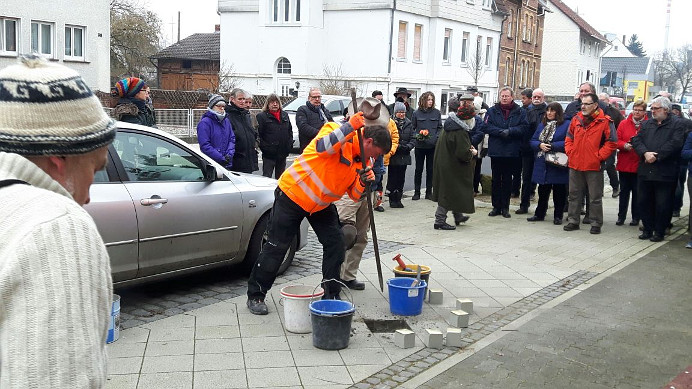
[(674, 68), (228, 78), (476, 65), (335, 81)]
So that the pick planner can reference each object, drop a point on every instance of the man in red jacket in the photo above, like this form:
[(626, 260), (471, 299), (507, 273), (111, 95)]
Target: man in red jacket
[(590, 141)]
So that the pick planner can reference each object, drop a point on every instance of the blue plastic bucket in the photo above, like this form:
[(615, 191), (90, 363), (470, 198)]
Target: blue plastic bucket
[(114, 323), (331, 323), (405, 300)]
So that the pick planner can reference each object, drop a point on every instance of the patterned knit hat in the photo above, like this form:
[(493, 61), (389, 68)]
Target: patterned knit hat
[(129, 87), (215, 99), (47, 109)]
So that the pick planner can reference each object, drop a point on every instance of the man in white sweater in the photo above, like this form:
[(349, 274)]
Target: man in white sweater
[(55, 281)]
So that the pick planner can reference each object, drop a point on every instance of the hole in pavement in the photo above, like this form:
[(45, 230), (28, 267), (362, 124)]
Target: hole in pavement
[(387, 325)]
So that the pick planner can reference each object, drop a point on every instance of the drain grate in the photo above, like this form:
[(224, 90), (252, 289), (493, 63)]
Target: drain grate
[(385, 326)]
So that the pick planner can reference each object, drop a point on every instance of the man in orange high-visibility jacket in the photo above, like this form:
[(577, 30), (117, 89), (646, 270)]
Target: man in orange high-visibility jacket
[(329, 167)]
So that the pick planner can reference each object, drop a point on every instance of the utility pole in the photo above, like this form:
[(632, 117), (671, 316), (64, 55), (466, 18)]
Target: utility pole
[(179, 26), (665, 41)]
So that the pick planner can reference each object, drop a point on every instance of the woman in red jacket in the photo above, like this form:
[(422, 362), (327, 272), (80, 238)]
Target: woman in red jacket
[(628, 161)]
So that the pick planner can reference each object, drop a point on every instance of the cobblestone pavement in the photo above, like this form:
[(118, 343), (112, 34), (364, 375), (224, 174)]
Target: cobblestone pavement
[(631, 330), (158, 300), (416, 363)]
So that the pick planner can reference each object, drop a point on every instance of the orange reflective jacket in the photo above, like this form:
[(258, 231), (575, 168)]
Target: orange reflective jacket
[(326, 169)]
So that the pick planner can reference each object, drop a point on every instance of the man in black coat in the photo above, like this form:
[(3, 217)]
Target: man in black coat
[(534, 115), (658, 145), (617, 117), (311, 117), (402, 95), (245, 156)]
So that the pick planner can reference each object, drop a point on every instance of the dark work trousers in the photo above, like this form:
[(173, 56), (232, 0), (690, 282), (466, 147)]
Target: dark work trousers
[(612, 173), (628, 184), (396, 178), (656, 204), (274, 165), (477, 175), (284, 222), (516, 178), (502, 168), (581, 182), (424, 156), (527, 187), (559, 191), (680, 189)]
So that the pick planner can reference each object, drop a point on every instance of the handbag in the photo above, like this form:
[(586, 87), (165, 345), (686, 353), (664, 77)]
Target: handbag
[(556, 158)]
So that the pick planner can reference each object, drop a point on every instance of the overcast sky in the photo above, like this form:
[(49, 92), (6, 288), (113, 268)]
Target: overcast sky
[(646, 18)]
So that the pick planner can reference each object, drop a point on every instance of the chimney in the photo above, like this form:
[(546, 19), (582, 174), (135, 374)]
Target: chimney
[(217, 27), (624, 41)]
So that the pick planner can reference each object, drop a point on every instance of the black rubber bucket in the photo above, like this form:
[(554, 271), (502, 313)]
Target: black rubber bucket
[(331, 323)]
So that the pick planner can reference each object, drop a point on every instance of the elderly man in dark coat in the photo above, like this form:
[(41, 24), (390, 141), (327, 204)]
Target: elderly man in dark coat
[(453, 165)]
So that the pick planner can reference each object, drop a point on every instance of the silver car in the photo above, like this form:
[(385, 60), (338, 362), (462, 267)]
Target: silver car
[(165, 209), (334, 104)]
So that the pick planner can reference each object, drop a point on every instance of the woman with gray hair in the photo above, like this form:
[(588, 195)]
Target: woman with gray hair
[(275, 136)]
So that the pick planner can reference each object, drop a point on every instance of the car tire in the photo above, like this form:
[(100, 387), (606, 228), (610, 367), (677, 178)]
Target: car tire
[(257, 240)]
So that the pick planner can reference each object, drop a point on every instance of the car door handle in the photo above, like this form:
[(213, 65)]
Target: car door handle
[(153, 201)]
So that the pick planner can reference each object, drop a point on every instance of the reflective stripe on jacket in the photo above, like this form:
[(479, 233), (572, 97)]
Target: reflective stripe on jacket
[(326, 169), (588, 146)]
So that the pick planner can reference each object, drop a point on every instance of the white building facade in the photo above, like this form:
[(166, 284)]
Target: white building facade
[(65, 31), (571, 52), (423, 45)]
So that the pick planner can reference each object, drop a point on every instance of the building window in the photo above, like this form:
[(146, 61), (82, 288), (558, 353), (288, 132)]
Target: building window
[(74, 42), (401, 45), (297, 7), (487, 3), (42, 38), (538, 26), (488, 51), (524, 26), (283, 66), (447, 48), (589, 48), (509, 23), (285, 11), (8, 35), (417, 38), (529, 28), (507, 70), (464, 47), (583, 46)]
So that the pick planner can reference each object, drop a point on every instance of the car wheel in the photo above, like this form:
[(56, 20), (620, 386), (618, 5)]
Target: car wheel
[(257, 240)]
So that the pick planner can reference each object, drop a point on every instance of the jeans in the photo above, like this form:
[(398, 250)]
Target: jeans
[(502, 169), (273, 165), (656, 204), (628, 184), (559, 191), (424, 156), (581, 182)]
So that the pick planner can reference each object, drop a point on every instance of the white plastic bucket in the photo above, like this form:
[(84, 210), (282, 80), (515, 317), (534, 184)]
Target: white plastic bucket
[(114, 323), (296, 301)]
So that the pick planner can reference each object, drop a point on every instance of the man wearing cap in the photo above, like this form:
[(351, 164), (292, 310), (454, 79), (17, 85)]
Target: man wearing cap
[(474, 92), (402, 95), (329, 167), (55, 277), (132, 106)]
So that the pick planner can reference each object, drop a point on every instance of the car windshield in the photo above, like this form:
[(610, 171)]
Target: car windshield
[(294, 105)]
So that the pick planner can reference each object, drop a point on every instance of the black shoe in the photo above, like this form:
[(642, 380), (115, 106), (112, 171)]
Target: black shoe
[(257, 306), (557, 221), (620, 222), (462, 219), (428, 195), (645, 235), (676, 213), (656, 238), (535, 218), (571, 227), (586, 221), (332, 297), (595, 230), (350, 234), (494, 212), (396, 205), (355, 285), (634, 222), (521, 211), (506, 214), (444, 226), (416, 196), (379, 208)]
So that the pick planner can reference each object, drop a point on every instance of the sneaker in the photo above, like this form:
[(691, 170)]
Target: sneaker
[(689, 245), (257, 306), (571, 227), (595, 230), (355, 285), (521, 211), (444, 226), (616, 192)]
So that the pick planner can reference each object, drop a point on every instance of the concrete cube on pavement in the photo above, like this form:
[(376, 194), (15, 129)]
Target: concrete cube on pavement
[(465, 305), (435, 296), (404, 338), (459, 319), (453, 338), (433, 338)]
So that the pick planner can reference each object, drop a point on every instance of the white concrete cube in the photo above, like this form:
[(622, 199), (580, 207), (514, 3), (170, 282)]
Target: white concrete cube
[(459, 318), (453, 338), (465, 305), (404, 338), (433, 338), (434, 296)]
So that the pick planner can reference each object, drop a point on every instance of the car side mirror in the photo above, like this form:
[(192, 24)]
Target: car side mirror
[(210, 173)]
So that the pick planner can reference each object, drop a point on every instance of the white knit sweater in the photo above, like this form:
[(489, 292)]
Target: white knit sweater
[(55, 285)]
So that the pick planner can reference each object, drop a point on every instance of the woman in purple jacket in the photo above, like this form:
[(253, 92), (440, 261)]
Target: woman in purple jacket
[(215, 134)]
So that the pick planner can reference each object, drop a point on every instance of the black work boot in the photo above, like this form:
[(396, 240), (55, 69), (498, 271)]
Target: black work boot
[(257, 306)]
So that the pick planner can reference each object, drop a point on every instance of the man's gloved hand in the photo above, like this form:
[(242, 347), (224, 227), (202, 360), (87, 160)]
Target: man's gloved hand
[(357, 121), (504, 134), (366, 175)]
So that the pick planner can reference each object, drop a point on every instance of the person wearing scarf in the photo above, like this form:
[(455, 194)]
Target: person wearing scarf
[(454, 165), (215, 133), (132, 106), (549, 138), (628, 162)]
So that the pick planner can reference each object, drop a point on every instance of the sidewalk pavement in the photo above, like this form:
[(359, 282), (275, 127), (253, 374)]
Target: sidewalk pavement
[(508, 267)]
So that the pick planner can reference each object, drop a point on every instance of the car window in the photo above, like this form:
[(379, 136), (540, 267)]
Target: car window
[(294, 105), (334, 107), (148, 158)]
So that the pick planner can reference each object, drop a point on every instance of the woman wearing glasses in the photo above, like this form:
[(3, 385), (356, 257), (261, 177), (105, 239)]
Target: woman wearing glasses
[(628, 162), (215, 134)]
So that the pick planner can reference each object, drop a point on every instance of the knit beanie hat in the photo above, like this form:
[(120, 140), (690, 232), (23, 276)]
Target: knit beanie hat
[(453, 104), (399, 107), (47, 109), (214, 99), (129, 87)]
